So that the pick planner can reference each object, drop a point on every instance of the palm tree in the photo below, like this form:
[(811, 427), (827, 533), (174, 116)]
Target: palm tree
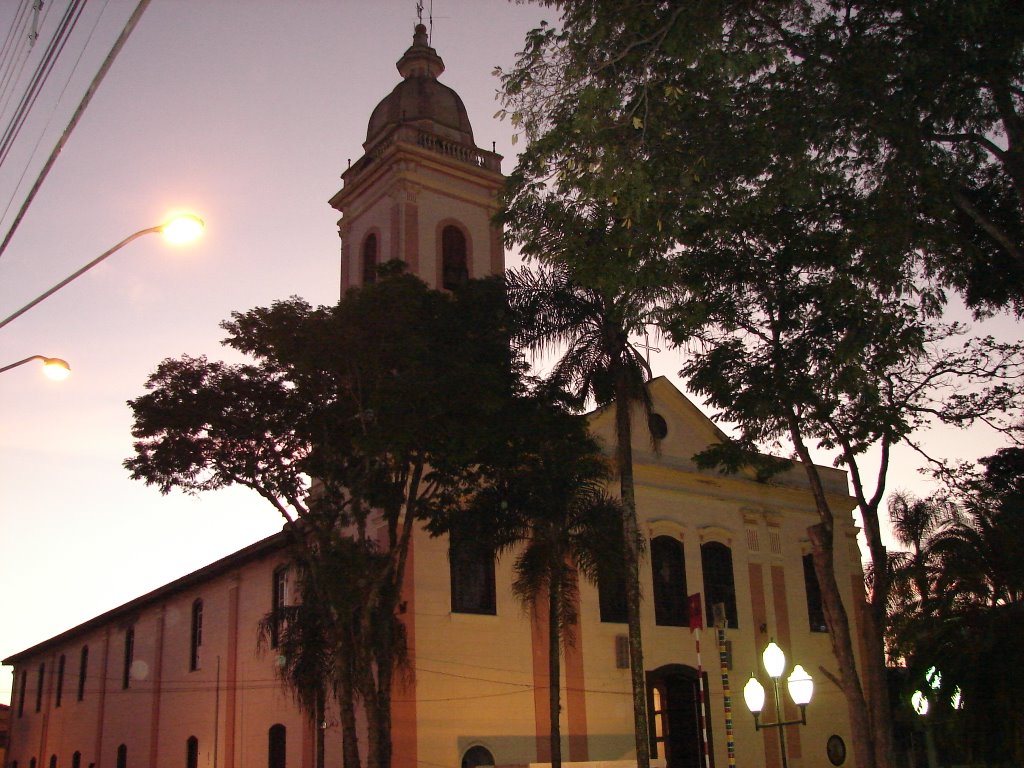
[(962, 610), (552, 503), (552, 311)]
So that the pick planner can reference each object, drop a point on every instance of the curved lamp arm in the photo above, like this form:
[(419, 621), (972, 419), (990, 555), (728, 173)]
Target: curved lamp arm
[(194, 222), (79, 273), (56, 368)]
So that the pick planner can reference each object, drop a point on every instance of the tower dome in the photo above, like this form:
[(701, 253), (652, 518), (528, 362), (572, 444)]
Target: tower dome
[(420, 99)]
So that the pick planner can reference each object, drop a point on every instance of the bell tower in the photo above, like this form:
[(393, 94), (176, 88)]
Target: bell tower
[(422, 192)]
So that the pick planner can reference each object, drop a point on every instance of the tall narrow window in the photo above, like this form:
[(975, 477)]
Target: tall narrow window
[(192, 752), (611, 582), (22, 685), (61, 662), (76, 760), (196, 636), (278, 601), (719, 582), (83, 666), (815, 609), (454, 262), (129, 656), (39, 687), (370, 260), (611, 591), (122, 756), (276, 746), (53, 761), (472, 575), (668, 571)]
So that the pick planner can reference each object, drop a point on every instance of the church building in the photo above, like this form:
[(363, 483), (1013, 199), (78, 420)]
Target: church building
[(182, 677)]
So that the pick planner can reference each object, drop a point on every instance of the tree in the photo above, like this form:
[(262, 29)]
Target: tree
[(358, 397), (804, 234), (965, 610), (668, 107), (548, 504), (550, 309)]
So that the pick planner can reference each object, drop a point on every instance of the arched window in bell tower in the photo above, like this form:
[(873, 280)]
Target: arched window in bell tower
[(370, 259), (454, 260)]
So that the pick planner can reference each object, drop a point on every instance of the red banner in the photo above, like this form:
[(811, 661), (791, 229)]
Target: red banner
[(696, 611)]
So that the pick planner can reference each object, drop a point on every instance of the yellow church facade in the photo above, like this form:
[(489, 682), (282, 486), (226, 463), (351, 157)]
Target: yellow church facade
[(181, 676)]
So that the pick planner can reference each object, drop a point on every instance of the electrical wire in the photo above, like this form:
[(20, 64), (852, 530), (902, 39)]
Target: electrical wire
[(39, 78), (83, 104)]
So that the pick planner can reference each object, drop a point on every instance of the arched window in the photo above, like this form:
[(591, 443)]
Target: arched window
[(815, 610), (76, 760), (53, 761), (276, 746), (611, 585), (129, 656), (472, 575), (476, 757), (192, 752), (370, 259), (23, 685), (61, 663), (39, 687), (454, 262), (278, 601), (719, 582), (122, 756), (83, 666), (196, 636), (668, 572)]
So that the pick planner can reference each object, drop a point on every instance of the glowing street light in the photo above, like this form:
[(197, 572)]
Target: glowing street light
[(801, 688), (53, 367), (179, 229)]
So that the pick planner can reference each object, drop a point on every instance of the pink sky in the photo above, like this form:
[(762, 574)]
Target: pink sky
[(245, 111)]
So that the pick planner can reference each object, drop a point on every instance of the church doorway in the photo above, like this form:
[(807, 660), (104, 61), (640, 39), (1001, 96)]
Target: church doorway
[(673, 704)]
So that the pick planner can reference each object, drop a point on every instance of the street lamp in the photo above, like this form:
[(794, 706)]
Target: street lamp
[(179, 229), (800, 685), (53, 367)]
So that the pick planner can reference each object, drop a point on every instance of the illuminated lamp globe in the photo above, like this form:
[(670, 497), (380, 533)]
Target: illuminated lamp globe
[(919, 702), (753, 695), (182, 228), (801, 687), (56, 369), (774, 660)]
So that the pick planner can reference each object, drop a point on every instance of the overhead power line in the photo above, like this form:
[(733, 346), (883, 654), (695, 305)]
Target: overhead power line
[(104, 68)]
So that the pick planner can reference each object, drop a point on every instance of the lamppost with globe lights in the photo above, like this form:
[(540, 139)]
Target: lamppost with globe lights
[(801, 688), (179, 229)]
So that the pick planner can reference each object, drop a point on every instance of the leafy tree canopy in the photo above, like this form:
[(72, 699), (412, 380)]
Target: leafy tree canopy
[(675, 111), (383, 409)]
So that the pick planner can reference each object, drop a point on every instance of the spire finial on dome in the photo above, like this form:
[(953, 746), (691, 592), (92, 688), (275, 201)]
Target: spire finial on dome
[(420, 60)]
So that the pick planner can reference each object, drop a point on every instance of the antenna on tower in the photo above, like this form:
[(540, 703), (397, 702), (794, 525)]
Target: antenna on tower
[(430, 33)]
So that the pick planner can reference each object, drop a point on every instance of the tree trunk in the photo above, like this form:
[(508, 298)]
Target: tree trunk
[(624, 456), (873, 632), (554, 666), (836, 618), (349, 734), (321, 715)]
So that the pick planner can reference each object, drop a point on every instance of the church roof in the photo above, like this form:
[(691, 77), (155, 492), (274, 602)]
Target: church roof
[(263, 548), (420, 99)]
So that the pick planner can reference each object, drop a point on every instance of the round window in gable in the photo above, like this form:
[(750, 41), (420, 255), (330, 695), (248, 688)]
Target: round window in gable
[(659, 428)]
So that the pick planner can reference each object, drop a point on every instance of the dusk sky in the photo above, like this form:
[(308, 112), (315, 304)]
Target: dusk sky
[(245, 112)]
